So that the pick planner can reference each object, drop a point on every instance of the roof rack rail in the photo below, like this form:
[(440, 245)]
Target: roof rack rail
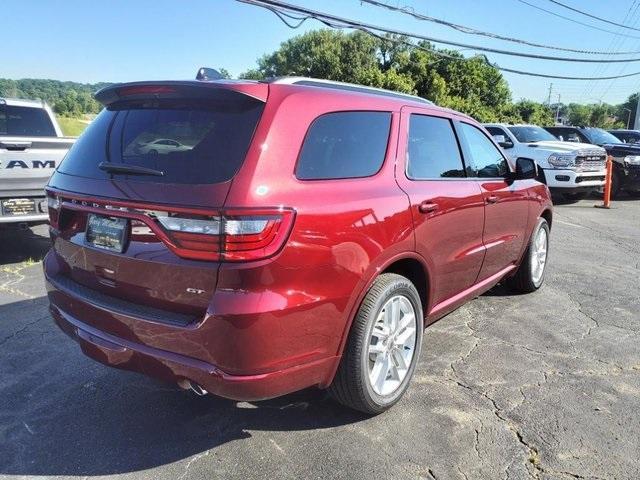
[(316, 82)]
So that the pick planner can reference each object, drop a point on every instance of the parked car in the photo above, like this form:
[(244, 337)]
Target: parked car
[(161, 146), (31, 145), (570, 169), (626, 157), (286, 249), (626, 136)]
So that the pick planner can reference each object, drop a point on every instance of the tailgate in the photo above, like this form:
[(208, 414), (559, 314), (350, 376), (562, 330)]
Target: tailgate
[(135, 206), (145, 279), (26, 164)]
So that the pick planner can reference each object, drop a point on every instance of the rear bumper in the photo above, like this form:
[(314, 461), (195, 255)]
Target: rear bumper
[(168, 352), (174, 368), (39, 218), (41, 215)]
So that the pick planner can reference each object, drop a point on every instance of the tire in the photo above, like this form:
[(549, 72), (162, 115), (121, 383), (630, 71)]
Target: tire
[(153, 152), (352, 385), (527, 279)]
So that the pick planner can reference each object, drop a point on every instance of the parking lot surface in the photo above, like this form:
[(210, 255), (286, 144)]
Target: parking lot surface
[(527, 386)]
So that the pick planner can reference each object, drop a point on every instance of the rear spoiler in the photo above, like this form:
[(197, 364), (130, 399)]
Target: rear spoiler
[(219, 89)]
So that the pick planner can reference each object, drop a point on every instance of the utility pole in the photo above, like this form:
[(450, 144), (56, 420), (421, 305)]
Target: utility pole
[(550, 91), (558, 110), (636, 123)]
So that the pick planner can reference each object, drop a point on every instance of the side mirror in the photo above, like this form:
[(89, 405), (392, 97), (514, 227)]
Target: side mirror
[(503, 141), (526, 169)]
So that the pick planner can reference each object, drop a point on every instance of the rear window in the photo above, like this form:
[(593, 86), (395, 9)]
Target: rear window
[(344, 145), (190, 142), (25, 122)]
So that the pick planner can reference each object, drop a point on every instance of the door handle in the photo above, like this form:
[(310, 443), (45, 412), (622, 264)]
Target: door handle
[(428, 207), (493, 199)]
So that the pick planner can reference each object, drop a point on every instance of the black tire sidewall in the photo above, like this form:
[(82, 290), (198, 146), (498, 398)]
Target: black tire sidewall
[(403, 287)]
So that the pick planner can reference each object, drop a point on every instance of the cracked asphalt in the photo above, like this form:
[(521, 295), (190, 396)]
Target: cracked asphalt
[(534, 386)]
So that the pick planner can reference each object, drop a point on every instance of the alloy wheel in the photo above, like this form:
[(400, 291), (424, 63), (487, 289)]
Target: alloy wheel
[(392, 345)]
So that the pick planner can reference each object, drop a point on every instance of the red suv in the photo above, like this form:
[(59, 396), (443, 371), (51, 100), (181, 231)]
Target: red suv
[(287, 234)]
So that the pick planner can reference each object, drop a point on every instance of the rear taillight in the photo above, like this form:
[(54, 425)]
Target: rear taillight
[(53, 207), (233, 236)]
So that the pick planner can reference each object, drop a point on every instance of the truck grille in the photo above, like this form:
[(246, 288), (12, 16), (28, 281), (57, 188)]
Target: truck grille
[(590, 163)]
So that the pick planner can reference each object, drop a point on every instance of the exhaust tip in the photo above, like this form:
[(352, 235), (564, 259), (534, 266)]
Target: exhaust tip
[(194, 387)]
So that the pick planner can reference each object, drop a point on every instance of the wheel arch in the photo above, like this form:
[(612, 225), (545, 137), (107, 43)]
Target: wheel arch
[(408, 264), (416, 272)]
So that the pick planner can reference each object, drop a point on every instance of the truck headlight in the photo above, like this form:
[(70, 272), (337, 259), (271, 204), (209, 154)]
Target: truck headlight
[(632, 159), (562, 161)]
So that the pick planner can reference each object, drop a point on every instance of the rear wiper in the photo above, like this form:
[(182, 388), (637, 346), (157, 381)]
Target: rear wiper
[(129, 169)]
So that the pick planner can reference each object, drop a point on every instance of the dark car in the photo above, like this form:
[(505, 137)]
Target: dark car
[(626, 157), (305, 238), (626, 136)]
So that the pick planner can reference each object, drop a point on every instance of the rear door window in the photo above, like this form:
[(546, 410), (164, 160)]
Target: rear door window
[(432, 150), (25, 122), (189, 142), (344, 145)]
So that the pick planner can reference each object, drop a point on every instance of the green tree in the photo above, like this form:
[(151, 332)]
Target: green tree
[(626, 111), (534, 113), (66, 98), (391, 62), (334, 55), (579, 114)]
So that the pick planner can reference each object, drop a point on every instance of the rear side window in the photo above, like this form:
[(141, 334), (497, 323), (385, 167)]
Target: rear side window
[(25, 122), (344, 145), (433, 150), (190, 142)]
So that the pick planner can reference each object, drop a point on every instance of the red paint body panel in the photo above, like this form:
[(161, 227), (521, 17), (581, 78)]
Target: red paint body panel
[(505, 225), (268, 327)]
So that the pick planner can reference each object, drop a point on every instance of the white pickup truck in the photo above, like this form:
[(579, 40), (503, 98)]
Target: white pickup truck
[(31, 146), (571, 169)]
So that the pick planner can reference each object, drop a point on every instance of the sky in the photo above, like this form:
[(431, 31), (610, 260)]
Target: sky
[(127, 40)]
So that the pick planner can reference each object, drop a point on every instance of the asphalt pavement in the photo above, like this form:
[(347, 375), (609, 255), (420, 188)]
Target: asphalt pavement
[(545, 385)]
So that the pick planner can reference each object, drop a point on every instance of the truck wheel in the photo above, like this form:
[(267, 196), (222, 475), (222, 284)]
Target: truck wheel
[(383, 347), (530, 274)]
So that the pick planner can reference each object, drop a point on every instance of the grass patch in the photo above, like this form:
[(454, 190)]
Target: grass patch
[(72, 127)]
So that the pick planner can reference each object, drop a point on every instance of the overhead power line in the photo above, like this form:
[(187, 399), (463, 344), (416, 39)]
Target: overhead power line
[(464, 29), (586, 14), (282, 8), (354, 24), (588, 25)]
